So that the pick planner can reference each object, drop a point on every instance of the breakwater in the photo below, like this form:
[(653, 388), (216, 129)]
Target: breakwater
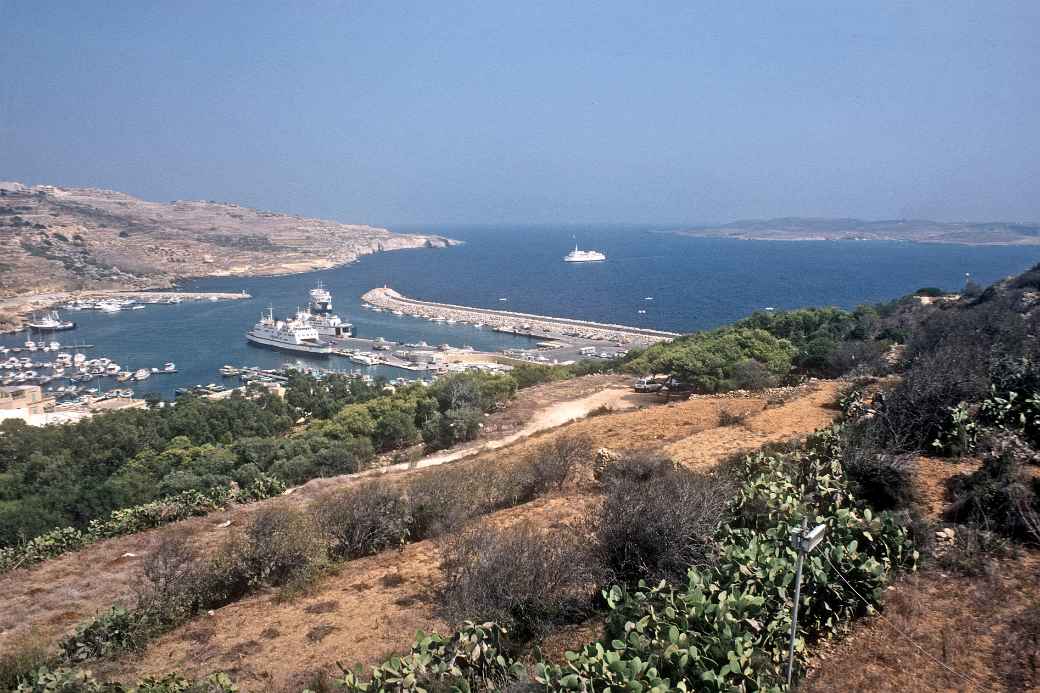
[(518, 323)]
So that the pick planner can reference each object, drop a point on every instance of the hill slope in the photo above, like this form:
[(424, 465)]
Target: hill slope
[(59, 239)]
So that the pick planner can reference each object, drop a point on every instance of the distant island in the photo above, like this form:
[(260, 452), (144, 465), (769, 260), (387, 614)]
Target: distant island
[(913, 230), (56, 239)]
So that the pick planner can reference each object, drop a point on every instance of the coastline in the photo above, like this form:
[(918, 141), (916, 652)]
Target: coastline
[(1025, 242), (15, 309)]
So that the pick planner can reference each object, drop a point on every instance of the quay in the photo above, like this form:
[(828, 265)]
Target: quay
[(164, 295), (527, 324)]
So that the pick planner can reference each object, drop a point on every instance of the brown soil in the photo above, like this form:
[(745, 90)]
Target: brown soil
[(373, 605), (533, 400), (943, 632)]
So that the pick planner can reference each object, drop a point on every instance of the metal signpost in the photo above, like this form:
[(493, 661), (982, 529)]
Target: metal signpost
[(804, 542)]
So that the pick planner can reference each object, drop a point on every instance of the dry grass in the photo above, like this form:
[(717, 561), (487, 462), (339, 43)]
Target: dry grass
[(381, 600), (986, 628)]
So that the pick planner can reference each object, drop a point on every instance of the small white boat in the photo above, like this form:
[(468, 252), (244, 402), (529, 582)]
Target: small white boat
[(142, 374), (137, 307), (169, 367)]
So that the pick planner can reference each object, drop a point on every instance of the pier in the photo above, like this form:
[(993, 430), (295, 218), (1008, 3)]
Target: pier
[(144, 296), (542, 326)]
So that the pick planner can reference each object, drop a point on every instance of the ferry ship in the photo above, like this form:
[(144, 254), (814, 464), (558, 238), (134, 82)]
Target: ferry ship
[(584, 255), (289, 335), (321, 317), (321, 300), (51, 322)]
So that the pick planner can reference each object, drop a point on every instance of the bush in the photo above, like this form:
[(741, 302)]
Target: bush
[(133, 520), (439, 502), (171, 574), (551, 463), (279, 545), (116, 630), (973, 552), (45, 680), (474, 658), (712, 361), (364, 519), (520, 575), (22, 653), (656, 521), (998, 497), (732, 418), (882, 480), (727, 628)]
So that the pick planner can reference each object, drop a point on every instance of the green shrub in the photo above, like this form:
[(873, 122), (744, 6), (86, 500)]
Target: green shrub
[(116, 630), (474, 658), (727, 628), (45, 680), (715, 361), (133, 520)]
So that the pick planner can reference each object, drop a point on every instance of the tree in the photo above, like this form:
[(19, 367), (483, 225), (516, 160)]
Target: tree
[(395, 429)]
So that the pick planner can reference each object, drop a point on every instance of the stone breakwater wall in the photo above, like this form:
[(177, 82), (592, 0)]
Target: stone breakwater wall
[(521, 323)]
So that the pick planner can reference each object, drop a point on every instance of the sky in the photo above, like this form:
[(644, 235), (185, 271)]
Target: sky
[(533, 112)]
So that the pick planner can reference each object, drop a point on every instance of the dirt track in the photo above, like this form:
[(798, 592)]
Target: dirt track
[(372, 605)]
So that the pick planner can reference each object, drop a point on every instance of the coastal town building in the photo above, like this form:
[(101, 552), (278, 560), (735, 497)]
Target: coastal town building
[(25, 402)]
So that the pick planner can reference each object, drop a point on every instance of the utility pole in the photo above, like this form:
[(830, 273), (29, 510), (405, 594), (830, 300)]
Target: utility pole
[(803, 541)]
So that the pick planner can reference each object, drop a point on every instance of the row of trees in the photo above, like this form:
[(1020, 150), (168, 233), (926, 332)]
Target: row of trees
[(68, 475)]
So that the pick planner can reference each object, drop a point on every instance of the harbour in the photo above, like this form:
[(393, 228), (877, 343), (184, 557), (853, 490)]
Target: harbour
[(206, 327), (541, 326)]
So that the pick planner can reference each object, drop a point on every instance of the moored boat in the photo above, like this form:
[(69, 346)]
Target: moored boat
[(288, 335)]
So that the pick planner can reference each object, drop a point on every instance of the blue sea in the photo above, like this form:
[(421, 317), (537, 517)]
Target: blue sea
[(694, 283)]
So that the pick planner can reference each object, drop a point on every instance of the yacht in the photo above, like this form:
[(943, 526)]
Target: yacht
[(109, 306), (289, 335), (584, 255), (142, 374), (51, 322), (364, 359)]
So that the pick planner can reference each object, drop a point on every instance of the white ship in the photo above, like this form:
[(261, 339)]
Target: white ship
[(321, 317), (51, 322), (289, 335), (321, 300), (584, 255)]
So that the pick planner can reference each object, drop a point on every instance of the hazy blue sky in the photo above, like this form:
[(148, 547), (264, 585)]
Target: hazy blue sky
[(533, 111)]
